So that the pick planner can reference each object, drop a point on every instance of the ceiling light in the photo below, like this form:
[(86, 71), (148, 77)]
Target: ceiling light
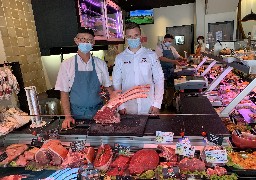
[(249, 17)]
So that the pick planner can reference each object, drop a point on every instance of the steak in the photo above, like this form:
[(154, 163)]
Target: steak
[(191, 165), (30, 155), (118, 166), (103, 157), (21, 161), (143, 160), (168, 153), (58, 153), (51, 152), (13, 151), (108, 113), (78, 159)]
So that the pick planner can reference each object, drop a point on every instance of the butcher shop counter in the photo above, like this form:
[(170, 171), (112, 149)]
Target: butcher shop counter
[(134, 130)]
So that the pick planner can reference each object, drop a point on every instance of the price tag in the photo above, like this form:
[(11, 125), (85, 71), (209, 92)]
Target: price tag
[(184, 148), (216, 139), (164, 137), (216, 156), (232, 116)]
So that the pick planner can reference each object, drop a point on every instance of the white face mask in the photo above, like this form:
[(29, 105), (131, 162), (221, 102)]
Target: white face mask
[(200, 41)]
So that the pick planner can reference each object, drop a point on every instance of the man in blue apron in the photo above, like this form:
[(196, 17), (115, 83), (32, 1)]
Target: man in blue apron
[(169, 58), (79, 81)]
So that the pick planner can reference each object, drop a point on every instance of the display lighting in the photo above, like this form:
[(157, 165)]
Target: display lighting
[(249, 17), (94, 3)]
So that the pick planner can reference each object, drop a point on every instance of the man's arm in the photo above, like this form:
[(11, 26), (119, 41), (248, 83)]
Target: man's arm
[(65, 103), (117, 80), (158, 78), (165, 59)]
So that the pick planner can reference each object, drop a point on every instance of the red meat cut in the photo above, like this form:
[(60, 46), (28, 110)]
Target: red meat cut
[(118, 166), (192, 165), (143, 160), (103, 157), (108, 113)]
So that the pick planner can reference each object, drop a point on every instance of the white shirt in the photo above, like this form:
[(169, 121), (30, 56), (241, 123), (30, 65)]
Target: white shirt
[(140, 68), (161, 47), (66, 73)]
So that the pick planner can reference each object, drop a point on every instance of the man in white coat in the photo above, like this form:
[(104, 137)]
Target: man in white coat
[(135, 66)]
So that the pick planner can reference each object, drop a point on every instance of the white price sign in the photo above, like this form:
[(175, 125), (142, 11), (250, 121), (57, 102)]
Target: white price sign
[(216, 156), (164, 137)]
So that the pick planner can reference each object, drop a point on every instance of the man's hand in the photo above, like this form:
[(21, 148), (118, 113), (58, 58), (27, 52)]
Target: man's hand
[(153, 110), (66, 124), (115, 94), (122, 111), (178, 63)]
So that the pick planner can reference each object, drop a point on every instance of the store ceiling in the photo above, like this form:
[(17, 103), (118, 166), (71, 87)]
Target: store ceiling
[(129, 5)]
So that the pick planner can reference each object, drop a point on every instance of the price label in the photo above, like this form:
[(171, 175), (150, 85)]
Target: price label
[(184, 148), (216, 156), (164, 137)]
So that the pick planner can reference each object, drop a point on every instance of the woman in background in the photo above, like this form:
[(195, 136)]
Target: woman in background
[(200, 47)]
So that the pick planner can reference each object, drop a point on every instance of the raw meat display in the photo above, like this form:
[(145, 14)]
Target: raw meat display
[(77, 159), (191, 165), (103, 157), (30, 155), (27, 156), (13, 151), (119, 165), (51, 152), (143, 160), (12, 118), (168, 153), (246, 140), (22, 161), (13, 177), (108, 113), (58, 154), (220, 171)]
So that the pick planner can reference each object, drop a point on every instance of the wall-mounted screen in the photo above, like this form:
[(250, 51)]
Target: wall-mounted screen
[(141, 16), (179, 40)]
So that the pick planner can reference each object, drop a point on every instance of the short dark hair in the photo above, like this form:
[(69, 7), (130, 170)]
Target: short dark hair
[(200, 37), (85, 30), (132, 25), (168, 36)]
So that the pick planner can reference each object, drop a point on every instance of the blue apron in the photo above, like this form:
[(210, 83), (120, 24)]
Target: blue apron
[(168, 68), (84, 95)]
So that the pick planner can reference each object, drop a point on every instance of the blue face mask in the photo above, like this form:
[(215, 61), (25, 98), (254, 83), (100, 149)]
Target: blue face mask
[(168, 44), (134, 43), (85, 47)]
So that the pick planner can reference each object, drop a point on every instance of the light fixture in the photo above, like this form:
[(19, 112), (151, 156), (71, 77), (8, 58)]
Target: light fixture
[(249, 17)]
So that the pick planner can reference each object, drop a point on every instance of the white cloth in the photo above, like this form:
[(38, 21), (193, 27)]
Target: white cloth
[(161, 47), (140, 68), (66, 73)]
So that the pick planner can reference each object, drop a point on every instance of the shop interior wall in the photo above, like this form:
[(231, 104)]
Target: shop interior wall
[(52, 64), (19, 41), (167, 17), (221, 17), (246, 7)]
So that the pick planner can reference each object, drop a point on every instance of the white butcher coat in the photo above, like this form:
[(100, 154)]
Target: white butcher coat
[(140, 68)]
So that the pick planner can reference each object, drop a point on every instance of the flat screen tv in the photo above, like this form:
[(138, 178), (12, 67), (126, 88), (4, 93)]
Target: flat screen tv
[(179, 40), (141, 16)]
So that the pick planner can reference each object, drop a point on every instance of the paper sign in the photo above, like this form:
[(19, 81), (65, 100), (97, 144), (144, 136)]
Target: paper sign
[(219, 35), (183, 147), (216, 139), (164, 137), (216, 156)]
